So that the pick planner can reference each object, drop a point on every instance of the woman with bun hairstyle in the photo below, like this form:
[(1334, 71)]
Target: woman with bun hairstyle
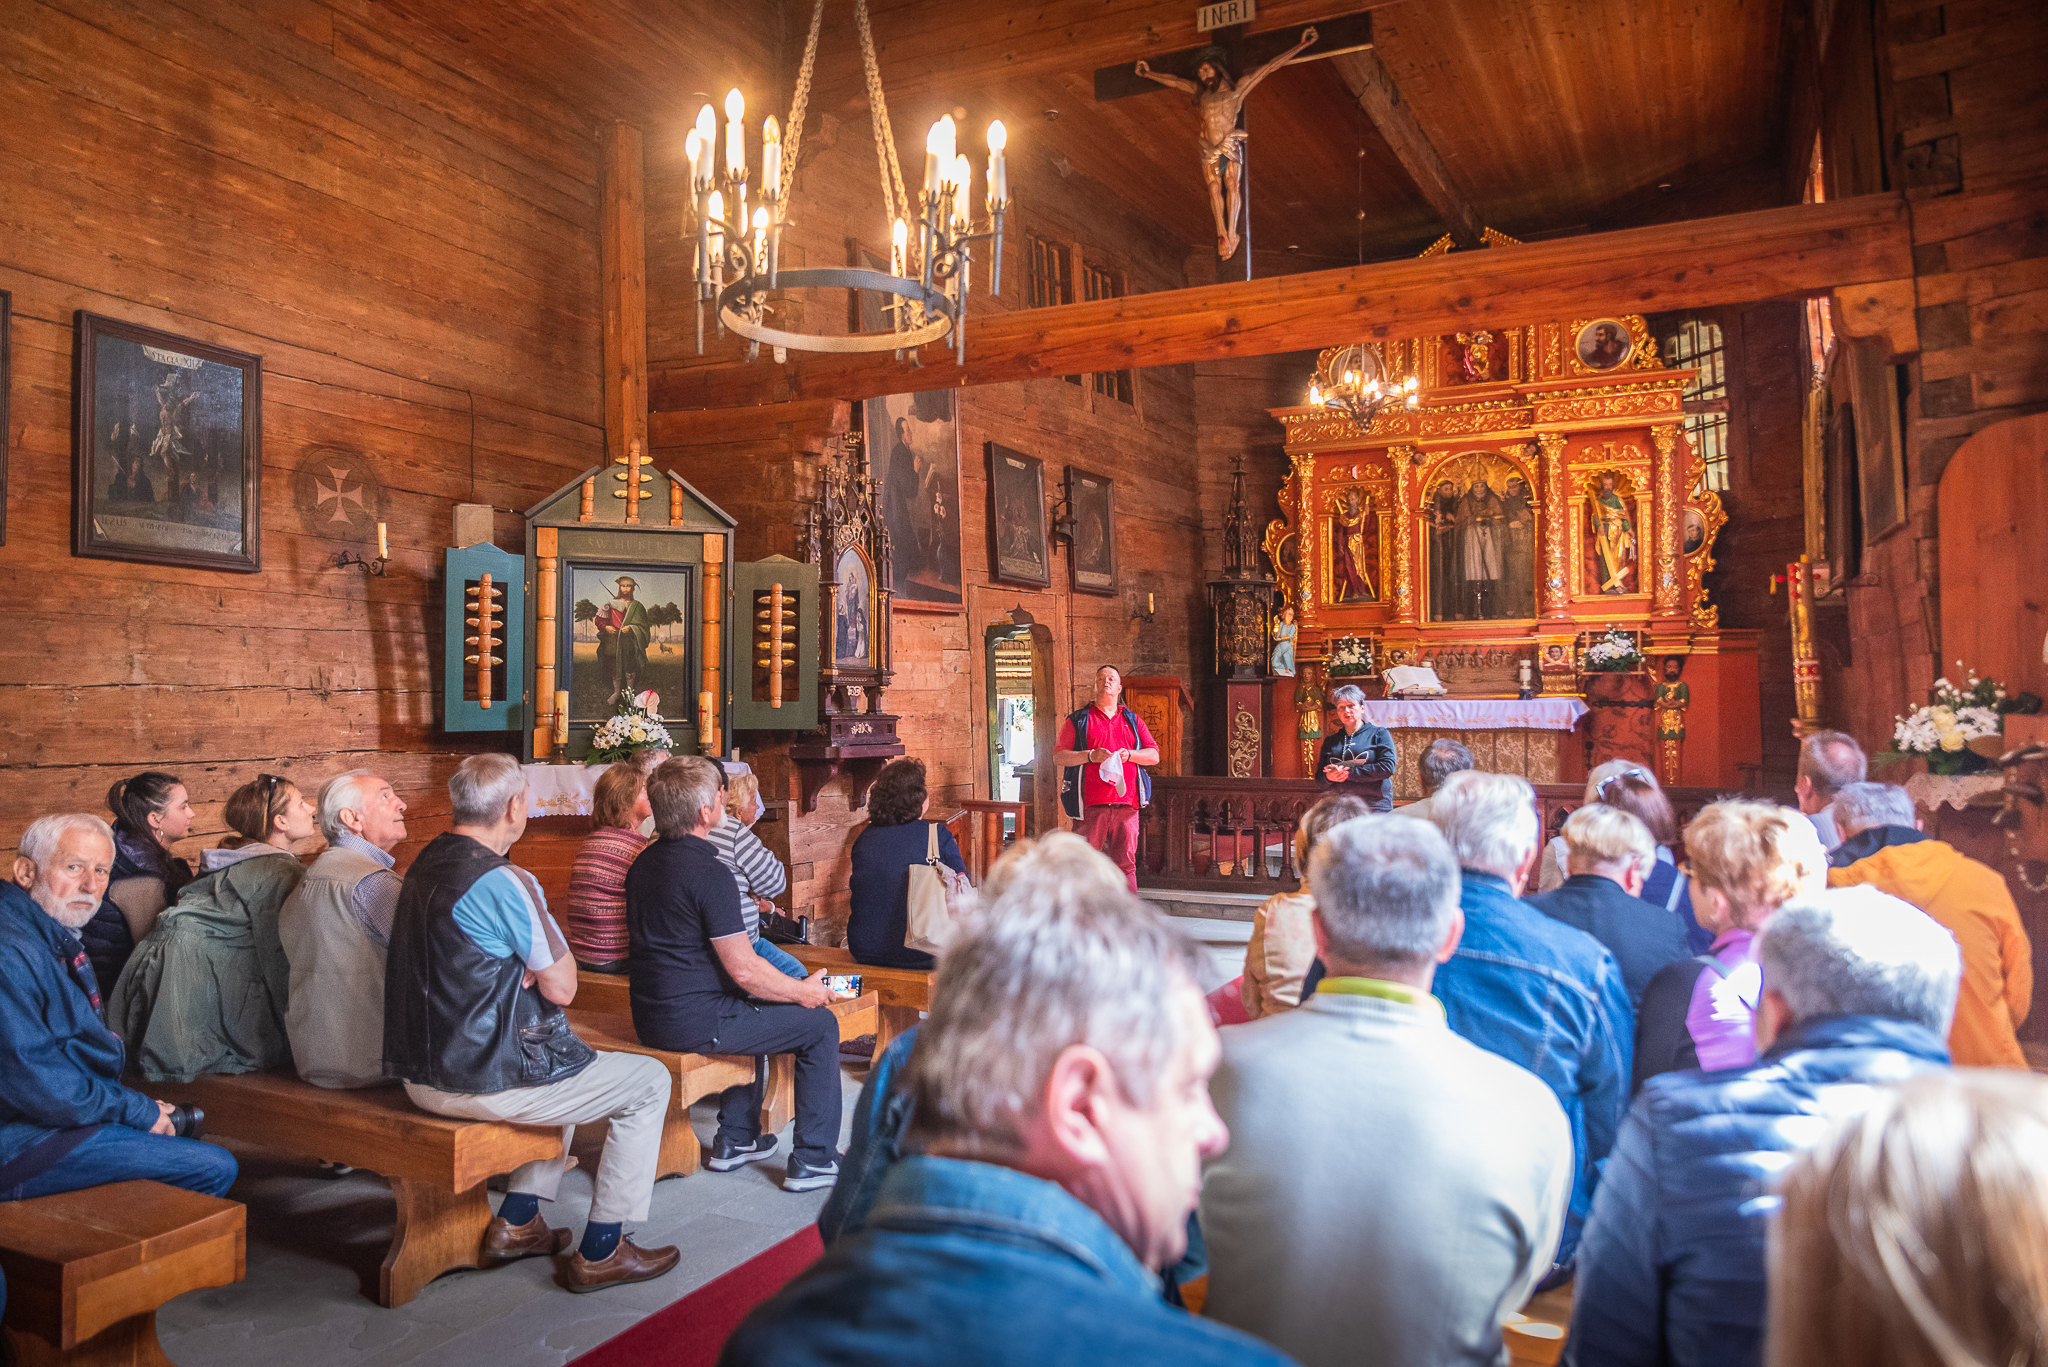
[(152, 811), (205, 991)]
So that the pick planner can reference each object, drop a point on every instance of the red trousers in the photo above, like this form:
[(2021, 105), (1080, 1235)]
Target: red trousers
[(1114, 831)]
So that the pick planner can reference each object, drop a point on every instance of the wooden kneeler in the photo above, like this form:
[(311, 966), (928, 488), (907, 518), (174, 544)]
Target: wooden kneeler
[(87, 1270)]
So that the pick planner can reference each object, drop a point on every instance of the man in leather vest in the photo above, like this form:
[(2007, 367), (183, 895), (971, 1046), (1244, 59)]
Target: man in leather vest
[(474, 987)]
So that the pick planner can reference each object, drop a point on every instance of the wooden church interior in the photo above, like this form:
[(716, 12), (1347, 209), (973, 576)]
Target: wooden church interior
[(459, 239)]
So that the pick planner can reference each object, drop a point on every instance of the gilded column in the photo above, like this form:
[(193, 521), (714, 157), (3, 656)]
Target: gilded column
[(1556, 507), (1666, 596), (1302, 480), (1403, 458), (546, 543), (712, 639), (1805, 652)]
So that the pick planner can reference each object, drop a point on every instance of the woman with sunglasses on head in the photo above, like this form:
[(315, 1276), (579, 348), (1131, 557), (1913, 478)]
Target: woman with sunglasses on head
[(205, 990), (152, 811)]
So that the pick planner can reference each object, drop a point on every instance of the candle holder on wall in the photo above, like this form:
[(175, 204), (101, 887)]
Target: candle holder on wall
[(373, 567)]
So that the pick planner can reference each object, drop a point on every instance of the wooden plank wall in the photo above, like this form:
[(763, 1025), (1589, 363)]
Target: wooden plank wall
[(756, 459), (1962, 104), (400, 216)]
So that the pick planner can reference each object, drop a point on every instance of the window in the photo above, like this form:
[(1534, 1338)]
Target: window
[(1114, 384), (1820, 313), (1697, 344), (1051, 278)]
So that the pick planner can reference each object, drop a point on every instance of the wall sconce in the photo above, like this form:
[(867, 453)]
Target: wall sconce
[(372, 567), (1143, 614), (1063, 521)]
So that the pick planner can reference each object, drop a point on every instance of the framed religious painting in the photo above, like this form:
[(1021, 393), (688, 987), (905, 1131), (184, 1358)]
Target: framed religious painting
[(1091, 559), (856, 602), (168, 450), (1603, 344), (626, 628), (1017, 546), (914, 452)]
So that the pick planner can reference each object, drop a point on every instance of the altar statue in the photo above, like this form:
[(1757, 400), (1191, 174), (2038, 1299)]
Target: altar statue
[(1671, 700), (1441, 515), (1480, 516), (1518, 557), (1220, 100), (1353, 548), (1284, 632), (1614, 539)]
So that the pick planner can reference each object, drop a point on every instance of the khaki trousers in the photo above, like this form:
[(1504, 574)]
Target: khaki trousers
[(629, 1090)]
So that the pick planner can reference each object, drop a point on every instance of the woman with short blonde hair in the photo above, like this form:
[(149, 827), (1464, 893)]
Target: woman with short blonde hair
[(1747, 859), (1916, 1233)]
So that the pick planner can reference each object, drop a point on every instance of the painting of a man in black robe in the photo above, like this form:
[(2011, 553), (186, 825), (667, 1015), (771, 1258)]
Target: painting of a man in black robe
[(1481, 523)]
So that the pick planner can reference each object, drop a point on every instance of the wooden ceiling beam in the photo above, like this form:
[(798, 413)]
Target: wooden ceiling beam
[(1369, 82), (962, 48), (1787, 253)]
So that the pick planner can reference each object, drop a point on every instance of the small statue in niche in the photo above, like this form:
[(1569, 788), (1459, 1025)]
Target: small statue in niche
[(1671, 700), (1220, 100), (1475, 357), (1284, 632), (1614, 538), (1354, 547)]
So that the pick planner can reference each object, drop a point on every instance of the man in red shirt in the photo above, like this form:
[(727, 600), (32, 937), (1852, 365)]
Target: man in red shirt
[(1107, 815)]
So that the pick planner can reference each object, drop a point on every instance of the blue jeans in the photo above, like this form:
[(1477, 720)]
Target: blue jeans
[(778, 957), (120, 1154)]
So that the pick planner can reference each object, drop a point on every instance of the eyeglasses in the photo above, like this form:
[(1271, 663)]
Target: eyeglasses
[(1613, 780)]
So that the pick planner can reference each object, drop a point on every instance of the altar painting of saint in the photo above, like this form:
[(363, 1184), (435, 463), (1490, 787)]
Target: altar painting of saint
[(628, 633), (851, 624), (1481, 522), (1354, 548), (1611, 538)]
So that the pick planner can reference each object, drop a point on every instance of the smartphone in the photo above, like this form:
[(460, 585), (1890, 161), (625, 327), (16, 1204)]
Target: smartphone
[(844, 986)]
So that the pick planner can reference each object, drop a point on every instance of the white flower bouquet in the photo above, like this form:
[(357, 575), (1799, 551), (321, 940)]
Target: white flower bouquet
[(1614, 653), (1350, 656), (1941, 732), (637, 727)]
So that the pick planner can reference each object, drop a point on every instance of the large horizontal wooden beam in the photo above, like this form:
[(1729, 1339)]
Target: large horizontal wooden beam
[(1793, 252), (963, 48)]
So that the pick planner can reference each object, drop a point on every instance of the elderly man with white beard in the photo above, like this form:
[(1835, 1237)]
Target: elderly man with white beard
[(66, 1121)]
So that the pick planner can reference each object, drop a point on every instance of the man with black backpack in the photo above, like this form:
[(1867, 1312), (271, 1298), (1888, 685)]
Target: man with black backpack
[(1103, 751)]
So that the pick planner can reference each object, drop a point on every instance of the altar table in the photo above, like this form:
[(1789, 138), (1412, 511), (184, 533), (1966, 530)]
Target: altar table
[(567, 789), (1518, 736)]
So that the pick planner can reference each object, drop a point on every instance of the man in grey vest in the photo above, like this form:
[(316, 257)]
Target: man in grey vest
[(335, 927)]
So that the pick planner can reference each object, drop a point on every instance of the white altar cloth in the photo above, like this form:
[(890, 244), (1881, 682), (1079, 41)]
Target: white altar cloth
[(567, 789), (1475, 714)]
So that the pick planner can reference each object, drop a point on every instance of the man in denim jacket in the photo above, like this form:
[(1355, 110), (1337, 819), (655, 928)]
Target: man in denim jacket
[(1061, 1114), (1533, 990)]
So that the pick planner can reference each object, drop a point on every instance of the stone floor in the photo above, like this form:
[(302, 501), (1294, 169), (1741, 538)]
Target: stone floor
[(315, 1245)]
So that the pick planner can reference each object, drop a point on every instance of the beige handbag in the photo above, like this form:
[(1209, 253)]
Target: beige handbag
[(937, 897)]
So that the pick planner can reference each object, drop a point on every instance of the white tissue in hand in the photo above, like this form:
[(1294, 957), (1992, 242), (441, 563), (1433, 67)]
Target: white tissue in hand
[(1111, 771)]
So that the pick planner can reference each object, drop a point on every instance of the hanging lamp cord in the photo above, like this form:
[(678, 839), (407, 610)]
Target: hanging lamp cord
[(895, 198)]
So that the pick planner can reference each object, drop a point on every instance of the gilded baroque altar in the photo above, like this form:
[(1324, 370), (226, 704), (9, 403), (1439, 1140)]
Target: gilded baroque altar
[(1542, 492)]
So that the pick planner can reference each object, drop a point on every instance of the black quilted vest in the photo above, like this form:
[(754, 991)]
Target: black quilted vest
[(456, 1019)]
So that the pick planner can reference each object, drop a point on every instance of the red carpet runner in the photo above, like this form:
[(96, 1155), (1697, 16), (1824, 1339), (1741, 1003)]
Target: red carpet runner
[(692, 1332)]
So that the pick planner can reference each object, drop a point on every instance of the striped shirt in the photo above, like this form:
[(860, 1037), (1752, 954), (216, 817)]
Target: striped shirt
[(597, 895), (757, 872)]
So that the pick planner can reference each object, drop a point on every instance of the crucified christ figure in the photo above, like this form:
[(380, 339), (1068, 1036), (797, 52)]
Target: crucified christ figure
[(1219, 100)]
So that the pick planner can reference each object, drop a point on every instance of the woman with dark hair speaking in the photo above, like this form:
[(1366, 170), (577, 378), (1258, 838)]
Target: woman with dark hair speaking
[(897, 837), (152, 811)]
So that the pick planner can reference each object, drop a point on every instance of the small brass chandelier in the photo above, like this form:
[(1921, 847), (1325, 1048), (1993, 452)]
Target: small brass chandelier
[(1352, 382), (739, 243)]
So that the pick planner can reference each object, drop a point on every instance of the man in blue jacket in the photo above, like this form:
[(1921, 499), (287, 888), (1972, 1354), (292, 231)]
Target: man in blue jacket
[(1530, 989), (1060, 1115), (1858, 989), (66, 1122)]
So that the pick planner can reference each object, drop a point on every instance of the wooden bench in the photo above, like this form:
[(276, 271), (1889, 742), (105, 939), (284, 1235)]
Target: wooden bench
[(903, 991), (607, 1023), (436, 1165), (1535, 1337), (87, 1270)]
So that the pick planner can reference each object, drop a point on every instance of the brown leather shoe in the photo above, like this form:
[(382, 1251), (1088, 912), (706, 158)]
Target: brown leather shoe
[(506, 1243), (628, 1263)]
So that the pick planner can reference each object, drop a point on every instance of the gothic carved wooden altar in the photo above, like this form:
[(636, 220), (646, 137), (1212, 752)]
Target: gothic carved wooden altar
[(1542, 491)]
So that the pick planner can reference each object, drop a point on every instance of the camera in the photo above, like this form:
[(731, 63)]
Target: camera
[(187, 1121)]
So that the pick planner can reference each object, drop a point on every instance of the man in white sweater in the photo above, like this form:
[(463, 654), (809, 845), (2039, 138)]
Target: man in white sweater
[(1391, 1191)]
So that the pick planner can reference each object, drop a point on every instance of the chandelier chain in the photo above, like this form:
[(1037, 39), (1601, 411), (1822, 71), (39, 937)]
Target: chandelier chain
[(799, 106), (878, 113)]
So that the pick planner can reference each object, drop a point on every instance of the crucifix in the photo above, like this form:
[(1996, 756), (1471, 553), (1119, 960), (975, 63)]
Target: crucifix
[(1219, 101)]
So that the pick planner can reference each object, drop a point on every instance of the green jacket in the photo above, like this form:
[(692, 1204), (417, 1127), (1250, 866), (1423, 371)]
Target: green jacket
[(205, 991)]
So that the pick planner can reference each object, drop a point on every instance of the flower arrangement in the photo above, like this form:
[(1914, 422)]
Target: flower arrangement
[(636, 727), (1614, 653), (1350, 656), (1941, 732)]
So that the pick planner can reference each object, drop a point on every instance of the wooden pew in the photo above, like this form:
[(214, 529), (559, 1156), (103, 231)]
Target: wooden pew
[(436, 1165), (903, 991), (603, 1015), (87, 1270)]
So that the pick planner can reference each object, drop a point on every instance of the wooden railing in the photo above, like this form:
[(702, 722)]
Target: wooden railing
[(978, 829), (1237, 834)]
